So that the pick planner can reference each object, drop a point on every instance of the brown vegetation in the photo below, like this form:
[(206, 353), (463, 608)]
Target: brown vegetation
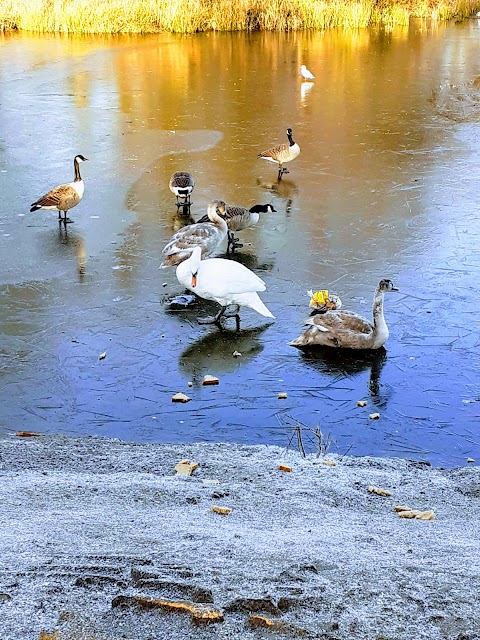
[(189, 16)]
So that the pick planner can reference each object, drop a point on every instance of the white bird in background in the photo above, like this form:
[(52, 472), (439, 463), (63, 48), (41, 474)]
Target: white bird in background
[(306, 74), (223, 281)]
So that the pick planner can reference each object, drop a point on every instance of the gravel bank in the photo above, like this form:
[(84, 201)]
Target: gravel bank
[(85, 521)]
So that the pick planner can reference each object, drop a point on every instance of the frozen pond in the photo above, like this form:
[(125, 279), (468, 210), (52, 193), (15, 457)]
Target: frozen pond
[(386, 185)]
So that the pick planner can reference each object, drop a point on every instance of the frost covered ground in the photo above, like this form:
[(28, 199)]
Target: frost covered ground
[(84, 521)]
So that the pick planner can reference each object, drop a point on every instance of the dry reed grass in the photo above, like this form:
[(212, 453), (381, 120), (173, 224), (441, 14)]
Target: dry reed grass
[(188, 16)]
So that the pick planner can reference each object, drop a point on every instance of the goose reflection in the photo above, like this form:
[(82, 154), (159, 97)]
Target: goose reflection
[(182, 218), (214, 352), (285, 189), (76, 245), (346, 363)]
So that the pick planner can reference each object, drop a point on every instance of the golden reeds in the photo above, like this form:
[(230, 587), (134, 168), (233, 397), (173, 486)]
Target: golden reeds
[(188, 16)]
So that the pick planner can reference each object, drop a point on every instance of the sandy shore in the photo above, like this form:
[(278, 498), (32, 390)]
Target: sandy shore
[(88, 522)]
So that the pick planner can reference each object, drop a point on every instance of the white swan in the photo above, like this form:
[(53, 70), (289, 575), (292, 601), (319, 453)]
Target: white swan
[(306, 74), (206, 235), (348, 330), (224, 281)]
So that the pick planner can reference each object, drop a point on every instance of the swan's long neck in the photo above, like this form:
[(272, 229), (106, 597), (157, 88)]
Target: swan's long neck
[(217, 219), (78, 177), (380, 328), (290, 139), (195, 260)]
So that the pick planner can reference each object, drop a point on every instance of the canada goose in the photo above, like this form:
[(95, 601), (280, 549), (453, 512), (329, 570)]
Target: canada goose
[(65, 196), (239, 218), (347, 330), (223, 281), (181, 185), (306, 74), (206, 235), (282, 153)]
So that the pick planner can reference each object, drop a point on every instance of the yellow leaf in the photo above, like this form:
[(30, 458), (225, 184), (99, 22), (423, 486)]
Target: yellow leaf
[(379, 491), (223, 511), (184, 468)]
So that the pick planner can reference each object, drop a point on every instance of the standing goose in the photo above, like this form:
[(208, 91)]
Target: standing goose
[(224, 281), (239, 218), (181, 185), (65, 196), (348, 330), (282, 153), (306, 74), (206, 235)]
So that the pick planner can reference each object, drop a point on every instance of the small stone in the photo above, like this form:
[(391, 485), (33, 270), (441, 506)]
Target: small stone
[(361, 403), (164, 284), (190, 383), (282, 395), (285, 467), (208, 379), (470, 460), (180, 397), (102, 356), (236, 354), (374, 416), (4, 597)]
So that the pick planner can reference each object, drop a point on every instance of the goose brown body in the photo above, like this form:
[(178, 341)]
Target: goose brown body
[(282, 153), (239, 218)]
